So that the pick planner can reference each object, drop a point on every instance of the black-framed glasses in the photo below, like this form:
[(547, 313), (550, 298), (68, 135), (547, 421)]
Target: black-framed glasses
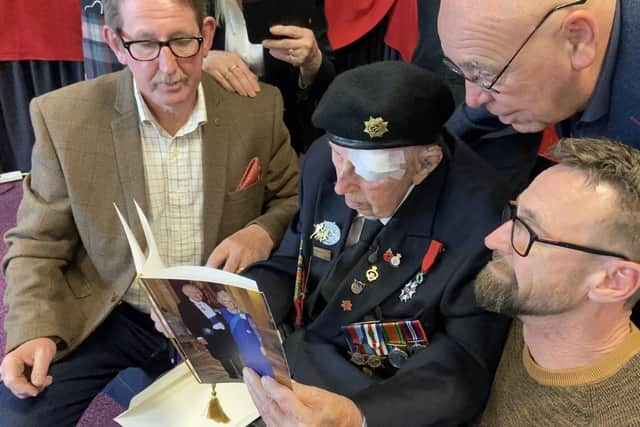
[(489, 85), (148, 50), (523, 237)]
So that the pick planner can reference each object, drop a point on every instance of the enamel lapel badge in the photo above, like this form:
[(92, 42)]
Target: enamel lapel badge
[(327, 233)]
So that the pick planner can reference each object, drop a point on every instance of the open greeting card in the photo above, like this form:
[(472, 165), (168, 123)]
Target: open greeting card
[(219, 322)]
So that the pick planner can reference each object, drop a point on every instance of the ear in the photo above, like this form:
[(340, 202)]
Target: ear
[(115, 44), (580, 32), (619, 282), (208, 31), (428, 158)]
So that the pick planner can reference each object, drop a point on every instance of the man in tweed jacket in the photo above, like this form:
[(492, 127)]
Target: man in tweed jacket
[(68, 266)]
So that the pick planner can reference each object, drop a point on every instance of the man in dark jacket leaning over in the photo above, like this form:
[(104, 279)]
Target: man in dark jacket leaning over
[(393, 212)]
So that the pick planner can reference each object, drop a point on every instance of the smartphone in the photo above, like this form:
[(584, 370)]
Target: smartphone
[(260, 15)]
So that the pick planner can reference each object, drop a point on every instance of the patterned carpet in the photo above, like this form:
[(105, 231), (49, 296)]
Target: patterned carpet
[(103, 408)]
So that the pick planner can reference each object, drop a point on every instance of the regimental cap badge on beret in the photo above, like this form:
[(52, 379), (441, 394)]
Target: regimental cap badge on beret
[(375, 127), (386, 104)]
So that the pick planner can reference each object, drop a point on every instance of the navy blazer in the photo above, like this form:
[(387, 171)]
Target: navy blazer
[(448, 382)]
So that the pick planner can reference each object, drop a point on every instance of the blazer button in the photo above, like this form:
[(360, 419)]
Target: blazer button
[(216, 121), (114, 298)]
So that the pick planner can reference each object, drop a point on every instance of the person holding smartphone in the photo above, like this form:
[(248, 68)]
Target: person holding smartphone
[(296, 59)]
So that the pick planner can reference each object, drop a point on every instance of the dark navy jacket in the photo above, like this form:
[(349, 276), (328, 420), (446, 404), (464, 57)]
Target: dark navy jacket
[(448, 382), (618, 114)]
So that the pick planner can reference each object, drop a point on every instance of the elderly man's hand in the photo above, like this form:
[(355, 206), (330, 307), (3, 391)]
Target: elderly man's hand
[(304, 406), (231, 72), (242, 248), (299, 48), (25, 370)]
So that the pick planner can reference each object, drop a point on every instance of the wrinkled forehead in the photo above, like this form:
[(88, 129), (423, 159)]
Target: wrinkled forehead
[(484, 33)]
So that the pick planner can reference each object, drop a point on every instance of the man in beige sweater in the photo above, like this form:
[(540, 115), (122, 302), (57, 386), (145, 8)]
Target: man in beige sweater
[(565, 265)]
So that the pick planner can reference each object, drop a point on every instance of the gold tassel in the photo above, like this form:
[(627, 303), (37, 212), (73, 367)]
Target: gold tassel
[(215, 411)]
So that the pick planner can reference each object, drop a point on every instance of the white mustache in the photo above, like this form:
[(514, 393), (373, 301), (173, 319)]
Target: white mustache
[(169, 79)]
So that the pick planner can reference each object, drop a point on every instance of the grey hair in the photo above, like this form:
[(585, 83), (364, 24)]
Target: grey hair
[(414, 153), (113, 19)]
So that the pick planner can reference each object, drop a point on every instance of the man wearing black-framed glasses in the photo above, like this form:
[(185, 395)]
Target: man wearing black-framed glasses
[(214, 172), (570, 64), (566, 266)]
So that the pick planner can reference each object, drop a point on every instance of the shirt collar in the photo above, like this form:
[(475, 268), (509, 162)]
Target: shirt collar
[(198, 115), (385, 220), (598, 104)]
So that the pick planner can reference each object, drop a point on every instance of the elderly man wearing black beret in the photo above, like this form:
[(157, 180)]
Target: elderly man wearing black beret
[(374, 274)]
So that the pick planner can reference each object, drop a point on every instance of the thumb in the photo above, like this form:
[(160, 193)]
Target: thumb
[(218, 256), (41, 361)]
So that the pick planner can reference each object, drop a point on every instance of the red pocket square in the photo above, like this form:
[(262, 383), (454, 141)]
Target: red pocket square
[(251, 175)]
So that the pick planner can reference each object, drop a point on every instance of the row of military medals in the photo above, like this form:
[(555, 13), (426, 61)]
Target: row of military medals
[(371, 342)]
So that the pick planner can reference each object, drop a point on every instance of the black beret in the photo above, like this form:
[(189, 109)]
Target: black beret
[(384, 105)]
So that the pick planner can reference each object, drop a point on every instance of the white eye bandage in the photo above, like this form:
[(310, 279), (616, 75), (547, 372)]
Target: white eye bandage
[(375, 165)]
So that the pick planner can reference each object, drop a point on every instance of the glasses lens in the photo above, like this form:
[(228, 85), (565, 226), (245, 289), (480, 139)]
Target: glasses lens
[(184, 48), (520, 237), (144, 51), (508, 212), (453, 67)]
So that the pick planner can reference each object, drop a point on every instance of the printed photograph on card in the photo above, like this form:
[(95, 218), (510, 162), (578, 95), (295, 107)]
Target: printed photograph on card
[(220, 329)]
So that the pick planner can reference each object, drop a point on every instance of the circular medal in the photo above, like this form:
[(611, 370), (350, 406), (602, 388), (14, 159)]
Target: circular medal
[(334, 233), (397, 357), (416, 347), (358, 358), (357, 286), (374, 361), (395, 261)]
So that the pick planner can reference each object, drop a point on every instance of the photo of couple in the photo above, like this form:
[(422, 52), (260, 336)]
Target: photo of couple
[(220, 329)]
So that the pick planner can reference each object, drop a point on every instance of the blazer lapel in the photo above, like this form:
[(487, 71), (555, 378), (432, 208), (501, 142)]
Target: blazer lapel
[(128, 150), (329, 207), (216, 136)]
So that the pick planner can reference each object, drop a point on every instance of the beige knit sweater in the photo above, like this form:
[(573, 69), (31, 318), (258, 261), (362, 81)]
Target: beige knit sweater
[(606, 393)]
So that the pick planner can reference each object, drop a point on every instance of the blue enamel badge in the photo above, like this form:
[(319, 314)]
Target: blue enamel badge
[(327, 233)]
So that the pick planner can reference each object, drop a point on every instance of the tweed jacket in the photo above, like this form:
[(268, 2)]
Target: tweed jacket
[(68, 263)]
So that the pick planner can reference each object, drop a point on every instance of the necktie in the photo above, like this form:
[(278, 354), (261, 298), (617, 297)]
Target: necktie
[(348, 259)]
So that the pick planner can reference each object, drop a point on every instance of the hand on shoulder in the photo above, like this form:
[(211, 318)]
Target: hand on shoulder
[(231, 72)]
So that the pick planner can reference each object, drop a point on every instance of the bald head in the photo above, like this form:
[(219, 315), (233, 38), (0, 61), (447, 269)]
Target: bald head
[(553, 63)]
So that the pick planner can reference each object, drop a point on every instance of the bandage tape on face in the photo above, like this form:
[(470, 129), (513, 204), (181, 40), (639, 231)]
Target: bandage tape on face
[(375, 165)]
